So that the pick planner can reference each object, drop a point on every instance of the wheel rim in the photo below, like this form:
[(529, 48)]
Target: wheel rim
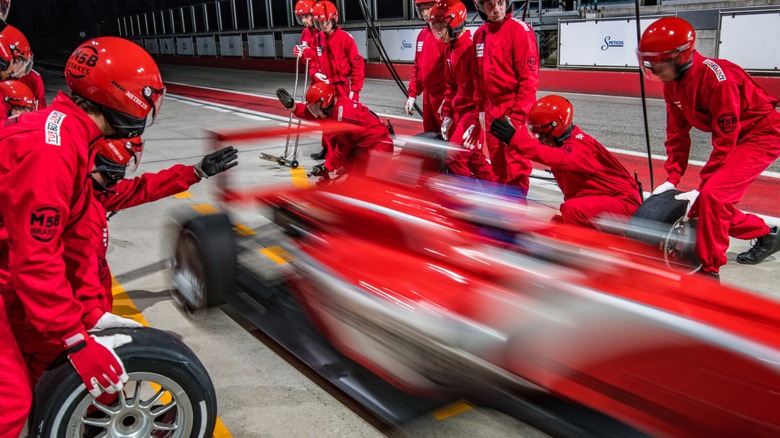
[(679, 246), (150, 405), (189, 279)]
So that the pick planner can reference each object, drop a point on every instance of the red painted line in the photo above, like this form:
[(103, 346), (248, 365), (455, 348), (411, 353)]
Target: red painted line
[(760, 198)]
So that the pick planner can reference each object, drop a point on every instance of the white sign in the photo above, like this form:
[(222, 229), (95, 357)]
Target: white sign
[(400, 44), (167, 47), (751, 40), (150, 44), (231, 45), (206, 45), (262, 46), (360, 41), (599, 43), (184, 46)]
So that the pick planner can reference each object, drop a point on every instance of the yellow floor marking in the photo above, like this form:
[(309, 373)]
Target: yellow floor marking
[(243, 230), (124, 306), (299, 178), (277, 254), (453, 409), (183, 195), (205, 209)]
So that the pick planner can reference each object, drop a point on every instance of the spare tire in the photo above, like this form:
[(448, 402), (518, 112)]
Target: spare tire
[(169, 394), (659, 221)]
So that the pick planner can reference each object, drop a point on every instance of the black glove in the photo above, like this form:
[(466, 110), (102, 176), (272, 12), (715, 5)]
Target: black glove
[(319, 170), (217, 162), (285, 98), (502, 129)]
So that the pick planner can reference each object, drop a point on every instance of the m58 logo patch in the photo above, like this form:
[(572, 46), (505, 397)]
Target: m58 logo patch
[(727, 123), (53, 124), (45, 223)]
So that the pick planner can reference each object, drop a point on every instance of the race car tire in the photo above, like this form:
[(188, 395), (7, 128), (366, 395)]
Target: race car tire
[(156, 362), (434, 158), (204, 268), (659, 221)]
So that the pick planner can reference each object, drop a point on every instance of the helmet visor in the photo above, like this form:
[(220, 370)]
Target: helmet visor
[(316, 110), (155, 98), (21, 66), (136, 148), (423, 9)]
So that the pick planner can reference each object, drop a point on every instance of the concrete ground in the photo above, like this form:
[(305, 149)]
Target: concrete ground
[(260, 391)]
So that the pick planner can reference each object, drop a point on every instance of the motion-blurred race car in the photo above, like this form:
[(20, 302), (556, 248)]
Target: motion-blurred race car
[(444, 288)]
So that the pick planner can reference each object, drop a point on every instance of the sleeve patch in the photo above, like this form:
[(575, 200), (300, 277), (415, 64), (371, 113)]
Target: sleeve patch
[(44, 223), (727, 123), (716, 69), (53, 125)]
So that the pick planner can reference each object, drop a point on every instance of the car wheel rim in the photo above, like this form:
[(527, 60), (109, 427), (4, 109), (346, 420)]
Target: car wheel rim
[(680, 246), (188, 275), (150, 405)]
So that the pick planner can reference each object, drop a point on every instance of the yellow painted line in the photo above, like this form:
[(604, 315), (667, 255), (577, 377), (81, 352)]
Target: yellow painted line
[(452, 409), (277, 254), (243, 230), (183, 195), (205, 209), (299, 178), (124, 306)]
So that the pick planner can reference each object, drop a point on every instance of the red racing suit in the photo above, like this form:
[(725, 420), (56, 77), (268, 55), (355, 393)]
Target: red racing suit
[(427, 75), (309, 39), (340, 61), (148, 187), (34, 81), (458, 104), (593, 182), (353, 148), (46, 255), (717, 96), (507, 79)]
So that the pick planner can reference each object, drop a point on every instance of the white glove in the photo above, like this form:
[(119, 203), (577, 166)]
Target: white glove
[(298, 50), (691, 198), (665, 187), (445, 128), (109, 320), (482, 121), (441, 109), (322, 78), (409, 105), (471, 138)]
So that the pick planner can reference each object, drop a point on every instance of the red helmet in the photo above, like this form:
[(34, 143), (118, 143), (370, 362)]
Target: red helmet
[(325, 10), (668, 39), (16, 94), (451, 13), (320, 98), (121, 77), (550, 116), (126, 152), (14, 49), (418, 6), (303, 7)]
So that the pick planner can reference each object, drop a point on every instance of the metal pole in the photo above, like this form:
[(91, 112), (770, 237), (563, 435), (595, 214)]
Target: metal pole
[(644, 100)]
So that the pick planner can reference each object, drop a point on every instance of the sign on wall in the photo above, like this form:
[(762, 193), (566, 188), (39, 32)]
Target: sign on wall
[(184, 46), (751, 39), (206, 45), (599, 43), (231, 45), (262, 46), (400, 44), (167, 47)]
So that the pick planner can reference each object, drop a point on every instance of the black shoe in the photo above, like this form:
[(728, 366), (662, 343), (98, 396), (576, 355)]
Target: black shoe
[(765, 246), (708, 274), (319, 155)]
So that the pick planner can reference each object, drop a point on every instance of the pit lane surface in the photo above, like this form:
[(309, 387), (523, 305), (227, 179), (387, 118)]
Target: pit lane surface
[(262, 392)]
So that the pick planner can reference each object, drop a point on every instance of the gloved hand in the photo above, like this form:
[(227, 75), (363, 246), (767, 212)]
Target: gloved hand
[(472, 138), (665, 187), (502, 129), (445, 128), (319, 170), (409, 105), (109, 320), (217, 162), (285, 98), (440, 111), (354, 95), (691, 198), (95, 360), (298, 50), (322, 78), (482, 121)]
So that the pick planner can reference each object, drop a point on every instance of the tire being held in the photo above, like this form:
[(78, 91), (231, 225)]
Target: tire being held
[(169, 394)]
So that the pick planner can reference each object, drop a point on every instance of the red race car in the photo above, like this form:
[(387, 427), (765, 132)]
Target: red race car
[(445, 288)]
